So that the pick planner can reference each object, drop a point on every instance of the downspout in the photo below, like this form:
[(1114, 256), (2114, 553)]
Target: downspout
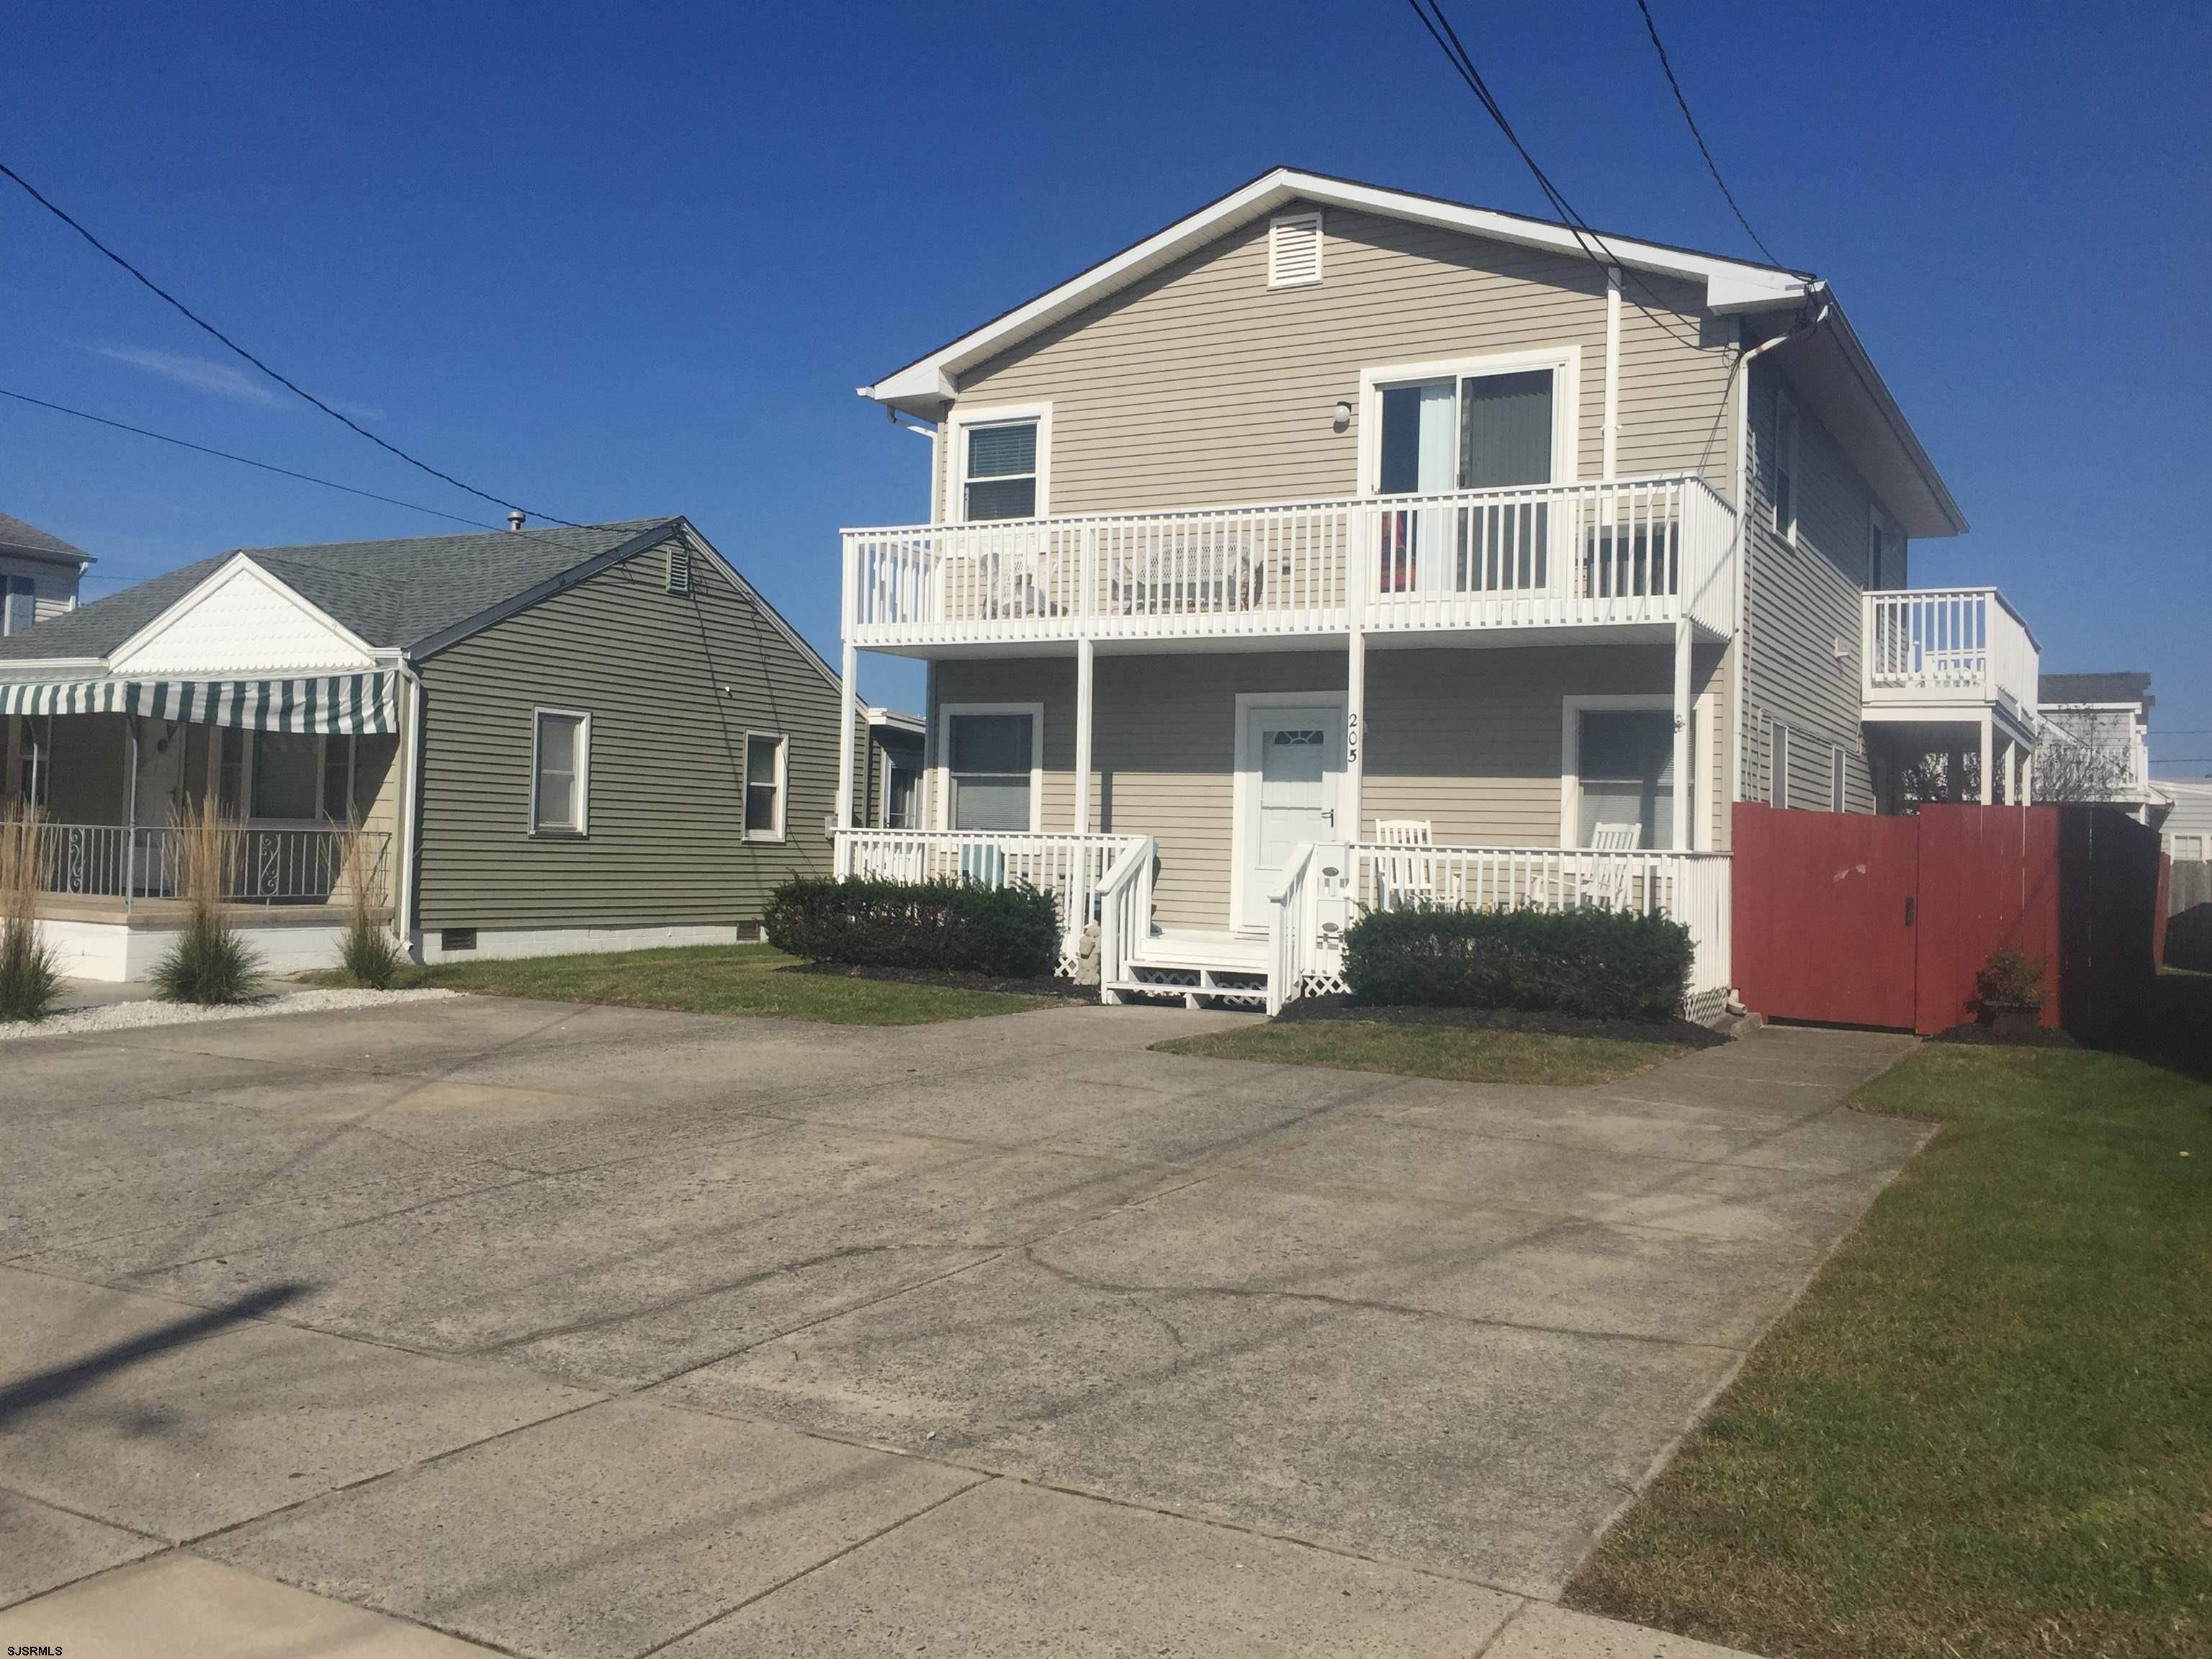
[(1741, 391), (411, 799), (1612, 435)]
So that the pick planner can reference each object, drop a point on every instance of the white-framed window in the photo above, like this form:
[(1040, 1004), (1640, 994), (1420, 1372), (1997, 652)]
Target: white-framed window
[(1294, 249), (1617, 766), (1836, 777), (991, 766), (560, 772), (289, 776), (1000, 464), (19, 603), (1778, 751), (767, 759), (1784, 501)]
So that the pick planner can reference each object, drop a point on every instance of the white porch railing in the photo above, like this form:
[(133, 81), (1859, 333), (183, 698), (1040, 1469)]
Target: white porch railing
[(1125, 913), (1071, 867), (1935, 648), (269, 866), (1619, 551), (1328, 884)]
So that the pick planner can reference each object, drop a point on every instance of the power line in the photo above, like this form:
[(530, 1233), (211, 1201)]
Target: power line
[(200, 322), (1711, 165), (243, 461), (1587, 239)]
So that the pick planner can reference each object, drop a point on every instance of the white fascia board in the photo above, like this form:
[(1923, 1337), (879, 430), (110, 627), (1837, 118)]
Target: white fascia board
[(897, 720), (20, 669), (183, 606), (928, 383)]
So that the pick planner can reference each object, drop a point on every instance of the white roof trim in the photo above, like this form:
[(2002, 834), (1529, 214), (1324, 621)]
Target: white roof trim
[(1730, 285), (354, 653)]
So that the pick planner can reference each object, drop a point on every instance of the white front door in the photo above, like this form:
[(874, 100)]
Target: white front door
[(1290, 761)]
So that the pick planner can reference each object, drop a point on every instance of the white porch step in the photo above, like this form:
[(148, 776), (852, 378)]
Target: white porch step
[(1198, 968)]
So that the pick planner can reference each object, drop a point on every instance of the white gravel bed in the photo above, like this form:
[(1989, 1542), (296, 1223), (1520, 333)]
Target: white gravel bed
[(132, 1016)]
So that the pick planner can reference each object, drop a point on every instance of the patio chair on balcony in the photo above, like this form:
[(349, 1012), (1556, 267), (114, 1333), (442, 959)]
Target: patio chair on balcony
[(1209, 578)]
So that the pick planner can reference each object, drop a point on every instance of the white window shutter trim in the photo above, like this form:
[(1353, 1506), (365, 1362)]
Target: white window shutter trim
[(1294, 250)]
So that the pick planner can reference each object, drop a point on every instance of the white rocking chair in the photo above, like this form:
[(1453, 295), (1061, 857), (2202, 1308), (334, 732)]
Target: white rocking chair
[(1608, 885), (1404, 877)]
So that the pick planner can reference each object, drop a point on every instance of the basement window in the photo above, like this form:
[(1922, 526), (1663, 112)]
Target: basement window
[(457, 938), (1294, 250)]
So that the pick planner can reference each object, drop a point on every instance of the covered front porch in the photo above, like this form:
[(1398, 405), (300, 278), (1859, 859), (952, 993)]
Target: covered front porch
[(114, 768), (1241, 806)]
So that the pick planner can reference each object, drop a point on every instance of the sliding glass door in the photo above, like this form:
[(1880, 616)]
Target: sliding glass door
[(1488, 432)]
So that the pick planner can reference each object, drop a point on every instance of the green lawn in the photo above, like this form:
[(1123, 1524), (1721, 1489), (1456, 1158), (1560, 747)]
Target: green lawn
[(1444, 1051), (1987, 1428), (717, 979)]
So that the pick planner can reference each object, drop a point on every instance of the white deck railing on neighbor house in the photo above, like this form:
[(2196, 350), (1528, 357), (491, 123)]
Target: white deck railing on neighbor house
[(1947, 647), (1071, 867), (1590, 554), (1327, 885), (268, 867)]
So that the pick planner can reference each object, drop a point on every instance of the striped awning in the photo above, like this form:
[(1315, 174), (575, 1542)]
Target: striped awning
[(335, 704)]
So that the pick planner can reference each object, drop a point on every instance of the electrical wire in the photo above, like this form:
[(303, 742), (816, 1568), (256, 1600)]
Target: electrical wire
[(155, 288), (1711, 165), (243, 461), (1592, 244)]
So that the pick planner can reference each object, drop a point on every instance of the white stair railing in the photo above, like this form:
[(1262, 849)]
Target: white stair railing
[(1291, 929), (1068, 867), (1125, 914)]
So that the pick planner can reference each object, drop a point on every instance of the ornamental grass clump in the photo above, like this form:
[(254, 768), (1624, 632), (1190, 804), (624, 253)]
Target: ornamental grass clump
[(30, 979), (209, 965), (369, 955)]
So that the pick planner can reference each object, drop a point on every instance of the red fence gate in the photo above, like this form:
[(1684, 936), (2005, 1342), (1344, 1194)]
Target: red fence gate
[(1859, 921)]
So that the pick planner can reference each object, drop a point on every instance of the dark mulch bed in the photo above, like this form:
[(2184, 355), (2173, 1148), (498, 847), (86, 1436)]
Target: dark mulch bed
[(1681, 1033), (1066, 990), (1988, 1036)]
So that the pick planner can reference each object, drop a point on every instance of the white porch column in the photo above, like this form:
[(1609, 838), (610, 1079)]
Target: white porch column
[(848, 673), (2012, 773), (1086, 674), (1355, 738), (1989, 757), (2027, 779), (1685, 797)]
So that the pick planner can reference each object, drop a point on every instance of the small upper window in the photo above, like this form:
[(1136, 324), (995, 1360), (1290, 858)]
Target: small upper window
[(1002, 470), (562, 767), (19, 603), (765, 754), (1294, 250), (1785, 468)]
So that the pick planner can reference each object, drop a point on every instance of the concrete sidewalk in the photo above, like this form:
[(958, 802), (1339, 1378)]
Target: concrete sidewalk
[(601, 1333)]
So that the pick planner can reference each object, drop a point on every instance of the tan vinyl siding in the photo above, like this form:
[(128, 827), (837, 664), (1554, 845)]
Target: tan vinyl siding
[(672, 683), (1200, 384), (1802, 600), (1469, 739)]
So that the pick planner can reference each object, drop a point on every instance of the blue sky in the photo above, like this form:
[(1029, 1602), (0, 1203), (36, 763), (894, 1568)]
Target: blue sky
[(617, 261)]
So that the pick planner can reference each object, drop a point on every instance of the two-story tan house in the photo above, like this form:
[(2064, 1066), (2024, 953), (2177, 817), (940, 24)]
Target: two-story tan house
[(1337, 545)]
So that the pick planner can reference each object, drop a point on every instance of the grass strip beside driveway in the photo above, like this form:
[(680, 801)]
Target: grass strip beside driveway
[(1987, 1428), (719, 979), (1456, 1054)]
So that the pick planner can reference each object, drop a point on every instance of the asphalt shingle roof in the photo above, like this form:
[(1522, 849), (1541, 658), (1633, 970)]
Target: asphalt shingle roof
[(16, 537), (391, 594), (2094, 687)]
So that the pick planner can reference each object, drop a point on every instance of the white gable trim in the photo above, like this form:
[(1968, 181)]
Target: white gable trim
[(1730, 285), (291, 633)]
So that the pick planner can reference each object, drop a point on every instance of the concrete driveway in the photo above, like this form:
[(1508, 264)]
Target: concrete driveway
[(597, 1332)]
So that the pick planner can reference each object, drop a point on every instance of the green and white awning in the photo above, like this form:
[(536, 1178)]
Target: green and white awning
[(335, 704)]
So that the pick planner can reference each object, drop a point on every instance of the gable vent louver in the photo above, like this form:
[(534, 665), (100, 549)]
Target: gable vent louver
[(1294, 250), (679, 569)]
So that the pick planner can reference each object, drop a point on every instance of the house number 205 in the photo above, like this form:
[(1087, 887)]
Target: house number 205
[(1351, 736)]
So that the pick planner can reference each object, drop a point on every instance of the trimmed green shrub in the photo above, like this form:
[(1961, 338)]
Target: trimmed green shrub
[(208, 965), (1599, 964), (1012, 933)]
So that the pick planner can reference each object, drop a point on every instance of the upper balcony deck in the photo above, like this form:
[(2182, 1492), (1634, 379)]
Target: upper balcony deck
[(1940, 654), (1630, 556)]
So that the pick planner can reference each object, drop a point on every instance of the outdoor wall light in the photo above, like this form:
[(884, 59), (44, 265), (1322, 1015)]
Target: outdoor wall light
[(1343, 420)]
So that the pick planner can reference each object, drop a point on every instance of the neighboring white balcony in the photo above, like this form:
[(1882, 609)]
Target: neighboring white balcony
[(1623, 553), (1948, 653)]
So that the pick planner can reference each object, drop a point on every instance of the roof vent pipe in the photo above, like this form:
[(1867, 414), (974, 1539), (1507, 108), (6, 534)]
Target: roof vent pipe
[(514, 519)]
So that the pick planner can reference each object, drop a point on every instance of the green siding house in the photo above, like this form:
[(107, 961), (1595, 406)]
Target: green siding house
[(557, 739)]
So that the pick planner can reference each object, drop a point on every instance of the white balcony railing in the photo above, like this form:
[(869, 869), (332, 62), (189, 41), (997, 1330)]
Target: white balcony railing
[(1936, 649), (265, 865), (1621, 551), (1327, 885)]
